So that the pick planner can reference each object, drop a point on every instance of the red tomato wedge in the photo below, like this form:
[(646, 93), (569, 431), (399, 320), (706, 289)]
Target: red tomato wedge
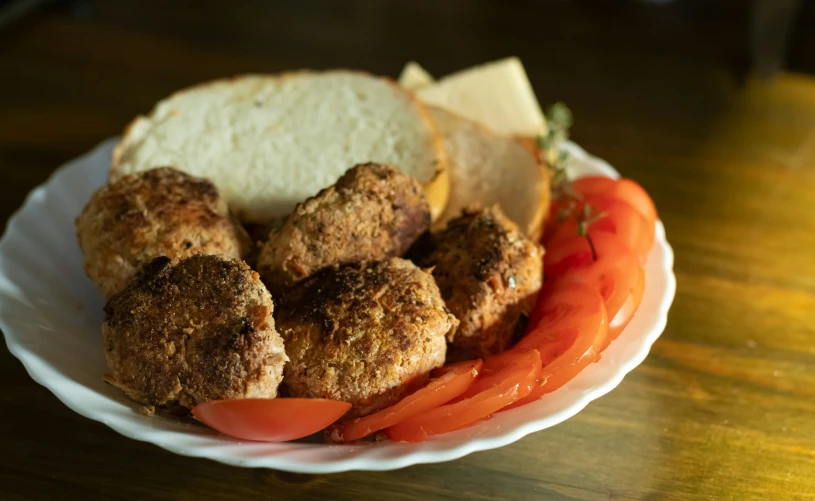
[(569, 308), (562, 314), (453, 382), (571, 341), (270, 419), (613, 274), (515, 383), (631, 227), (491, 375), (626, 313), (623, 189), (444, 369), (553, 219), (572, 332)]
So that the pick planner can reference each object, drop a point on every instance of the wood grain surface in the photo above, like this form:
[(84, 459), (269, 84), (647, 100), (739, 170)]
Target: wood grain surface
[(723, 408)]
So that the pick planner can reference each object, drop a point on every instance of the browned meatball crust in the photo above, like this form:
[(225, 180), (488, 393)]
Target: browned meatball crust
[(196, 331), (363, 333), (489, 275), (372, 212), (160, 212)]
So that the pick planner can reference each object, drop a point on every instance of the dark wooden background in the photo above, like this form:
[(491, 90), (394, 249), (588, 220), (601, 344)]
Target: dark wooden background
[(723, 408)]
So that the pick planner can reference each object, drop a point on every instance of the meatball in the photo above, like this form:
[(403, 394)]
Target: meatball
[(161, 212), (364, 333), (489, 275), (198, 330), (373, 212)]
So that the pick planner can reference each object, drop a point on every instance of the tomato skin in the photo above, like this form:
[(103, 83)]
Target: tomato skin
[(629, 308), (515, 383), (571, 308), (613, 273), (444, 369), (627, 190), (455, 380), (618, 217), (562, 313), (553, 219), (491, 374), (570, 336), (270, 419)]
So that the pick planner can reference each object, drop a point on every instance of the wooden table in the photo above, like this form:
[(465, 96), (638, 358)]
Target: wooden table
[(723, 408)]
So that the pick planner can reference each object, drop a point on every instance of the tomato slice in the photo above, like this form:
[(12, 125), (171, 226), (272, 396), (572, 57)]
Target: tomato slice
[(613, 273), (444, 369), (491, 375), (619, 218), (553, 219), (626, 190), (270, 419), (515, 383), (626, 313), (571, 340), (452, 383), (566, 307), (562, 313)]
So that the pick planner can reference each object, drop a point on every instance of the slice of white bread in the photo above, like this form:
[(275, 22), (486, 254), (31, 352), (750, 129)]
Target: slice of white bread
[(496, 94), (489, 169), (271, 141)]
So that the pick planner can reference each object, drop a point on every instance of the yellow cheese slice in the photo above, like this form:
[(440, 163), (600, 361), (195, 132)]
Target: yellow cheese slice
[(497, 95), (414, 77)]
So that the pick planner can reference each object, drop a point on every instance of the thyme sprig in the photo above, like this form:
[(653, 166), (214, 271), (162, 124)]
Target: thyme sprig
[(558, 160)]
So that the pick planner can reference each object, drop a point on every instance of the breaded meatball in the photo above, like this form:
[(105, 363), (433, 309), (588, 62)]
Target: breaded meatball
[(373, 212), (489, 275), (199, 330), (161, 212), (363, 333)]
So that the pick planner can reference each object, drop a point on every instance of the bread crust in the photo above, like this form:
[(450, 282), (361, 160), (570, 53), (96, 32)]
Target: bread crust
[(540, 209), (436, 189)]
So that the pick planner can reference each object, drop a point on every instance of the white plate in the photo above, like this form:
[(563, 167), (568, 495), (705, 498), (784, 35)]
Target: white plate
[(51, 315)]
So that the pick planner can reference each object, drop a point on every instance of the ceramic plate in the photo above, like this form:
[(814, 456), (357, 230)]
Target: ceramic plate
[(51, 315)]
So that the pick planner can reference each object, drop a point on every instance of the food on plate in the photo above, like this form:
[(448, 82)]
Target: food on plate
[(490, 169), (372, 212), (593, 204), (512, 383), (269, 142), (458, 177), (569, 328), (199, 330), (600, 213), (626, 190), (363, 333), (497, 95), (270, 420), (160, 212), (493, 374), (604, 263), (489, 274), (454, 381)]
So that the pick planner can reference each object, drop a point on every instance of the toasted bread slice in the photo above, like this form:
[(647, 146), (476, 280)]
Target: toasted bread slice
[(489, 169), (271, 141)]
